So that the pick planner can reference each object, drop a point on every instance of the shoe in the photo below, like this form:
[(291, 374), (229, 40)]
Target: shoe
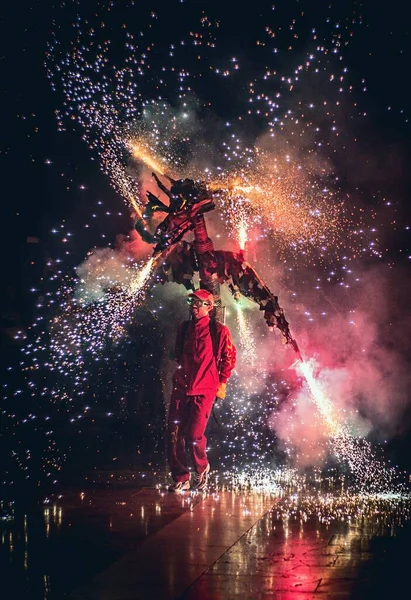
[(201, 479), (179, 486)]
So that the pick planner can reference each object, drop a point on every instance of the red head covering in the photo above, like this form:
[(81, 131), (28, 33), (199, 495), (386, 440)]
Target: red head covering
[(203, 295)]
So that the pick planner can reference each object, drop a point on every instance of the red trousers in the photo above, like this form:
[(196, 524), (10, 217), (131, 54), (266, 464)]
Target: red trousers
[(187, 421)]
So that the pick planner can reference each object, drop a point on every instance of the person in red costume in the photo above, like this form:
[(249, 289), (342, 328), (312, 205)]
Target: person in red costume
[(206, 357)]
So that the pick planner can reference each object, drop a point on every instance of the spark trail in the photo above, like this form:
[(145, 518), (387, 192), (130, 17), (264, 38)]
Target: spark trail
[(247, 341), (371, 475)]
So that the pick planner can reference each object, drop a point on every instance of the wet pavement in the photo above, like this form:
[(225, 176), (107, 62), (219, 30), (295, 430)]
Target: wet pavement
[(129, 539)]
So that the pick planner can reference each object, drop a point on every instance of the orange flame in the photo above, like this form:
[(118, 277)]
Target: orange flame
[(140, 153)]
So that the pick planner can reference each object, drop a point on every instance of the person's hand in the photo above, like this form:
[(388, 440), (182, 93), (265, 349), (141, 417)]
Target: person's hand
[(221, 390)]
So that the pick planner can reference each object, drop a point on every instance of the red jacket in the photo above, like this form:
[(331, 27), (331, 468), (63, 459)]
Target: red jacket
[(198, 369)]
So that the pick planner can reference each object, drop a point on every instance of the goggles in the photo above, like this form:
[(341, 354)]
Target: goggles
[(193, 301)]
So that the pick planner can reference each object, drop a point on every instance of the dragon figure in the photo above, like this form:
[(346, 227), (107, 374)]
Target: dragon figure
[(178, 260)]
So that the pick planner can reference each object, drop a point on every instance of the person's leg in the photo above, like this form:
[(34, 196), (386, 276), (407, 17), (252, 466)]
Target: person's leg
[(176, 446), (199, 413)]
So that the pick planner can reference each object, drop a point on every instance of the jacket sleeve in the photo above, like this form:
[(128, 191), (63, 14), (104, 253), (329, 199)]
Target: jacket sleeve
[(228, 355)]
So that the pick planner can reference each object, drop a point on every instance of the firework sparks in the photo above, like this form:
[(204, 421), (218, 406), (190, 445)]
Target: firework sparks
[(140, 281), (151, 104), (247, 342), (335, 427), (370, 473), (143, 155), (289, 195)]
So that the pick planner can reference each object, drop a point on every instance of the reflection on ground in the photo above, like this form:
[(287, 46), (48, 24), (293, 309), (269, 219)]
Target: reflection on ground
[(306, 533)]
